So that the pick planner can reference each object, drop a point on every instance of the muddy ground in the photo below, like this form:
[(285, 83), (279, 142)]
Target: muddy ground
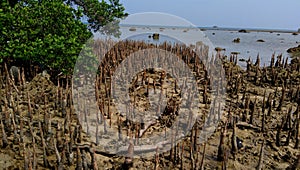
[(40, 128)]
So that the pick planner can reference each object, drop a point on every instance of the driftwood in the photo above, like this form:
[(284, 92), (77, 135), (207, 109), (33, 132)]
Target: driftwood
[(244, 125), (143, 148), (143, 131), (122, 150), (89, 149)]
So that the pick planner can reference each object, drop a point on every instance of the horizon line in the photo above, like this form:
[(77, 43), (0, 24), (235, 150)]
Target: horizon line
[(219, 28)]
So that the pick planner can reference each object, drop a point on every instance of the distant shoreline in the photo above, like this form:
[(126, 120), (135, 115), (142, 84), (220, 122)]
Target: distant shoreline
[(217, 28), (250, 29)]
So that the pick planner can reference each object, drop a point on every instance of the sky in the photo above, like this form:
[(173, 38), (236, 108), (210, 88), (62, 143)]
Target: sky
[(264, 14)]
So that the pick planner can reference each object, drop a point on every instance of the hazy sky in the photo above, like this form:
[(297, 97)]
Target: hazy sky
[(272, 14)]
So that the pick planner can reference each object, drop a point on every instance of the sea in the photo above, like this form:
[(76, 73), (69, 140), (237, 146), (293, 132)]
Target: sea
[(274, 42), (270, 41)]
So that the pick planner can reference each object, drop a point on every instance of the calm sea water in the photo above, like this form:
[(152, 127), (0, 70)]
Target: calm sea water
[(274, 42)]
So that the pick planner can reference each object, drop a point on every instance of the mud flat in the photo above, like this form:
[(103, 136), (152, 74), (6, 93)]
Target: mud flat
[(258, 127)]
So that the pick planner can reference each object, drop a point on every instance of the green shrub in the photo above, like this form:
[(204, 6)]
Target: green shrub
[(51, 33)]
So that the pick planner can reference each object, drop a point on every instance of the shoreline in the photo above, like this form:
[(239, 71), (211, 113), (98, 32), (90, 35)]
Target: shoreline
[(203, 28), (249, 30)]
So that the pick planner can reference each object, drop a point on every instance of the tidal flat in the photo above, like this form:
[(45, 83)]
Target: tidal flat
[(45, 124)]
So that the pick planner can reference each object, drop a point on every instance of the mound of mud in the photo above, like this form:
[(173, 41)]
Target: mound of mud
[(39, 87)]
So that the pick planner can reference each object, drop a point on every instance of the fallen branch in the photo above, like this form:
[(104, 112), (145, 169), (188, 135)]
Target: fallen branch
[(122, 150), (143, 131), (244, 125)]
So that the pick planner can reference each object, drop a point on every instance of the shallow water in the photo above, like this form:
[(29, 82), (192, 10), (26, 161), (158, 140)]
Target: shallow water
[(249, 47), (274, 42)]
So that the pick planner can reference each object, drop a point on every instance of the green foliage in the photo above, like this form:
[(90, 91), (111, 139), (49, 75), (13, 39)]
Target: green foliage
[(102, 13), (51, 32)]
